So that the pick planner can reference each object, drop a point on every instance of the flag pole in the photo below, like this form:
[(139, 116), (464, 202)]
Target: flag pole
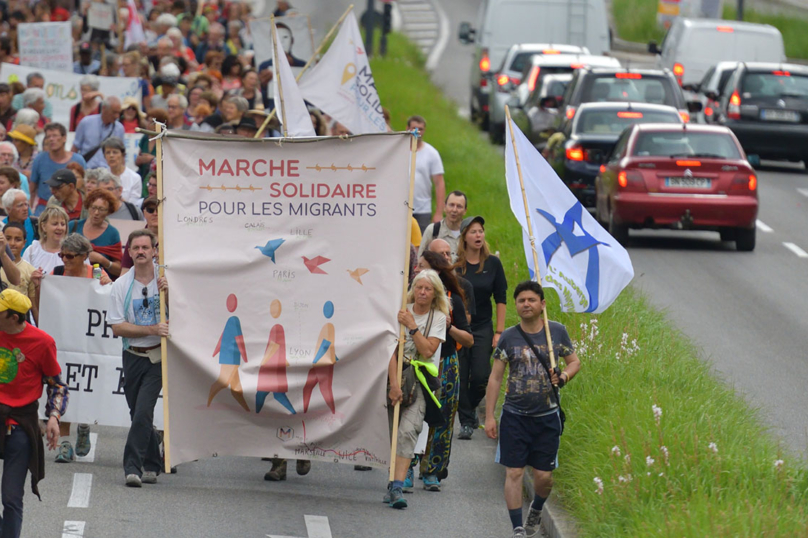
[(401, 336), (277, 79), (314, 55), (530, 232), (161, 260)]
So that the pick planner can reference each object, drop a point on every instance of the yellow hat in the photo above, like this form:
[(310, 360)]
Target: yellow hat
[(25, 133), (14, 300)]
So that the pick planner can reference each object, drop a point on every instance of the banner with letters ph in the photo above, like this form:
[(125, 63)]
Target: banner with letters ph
[(73, 311), (285, 262), (63, 91)]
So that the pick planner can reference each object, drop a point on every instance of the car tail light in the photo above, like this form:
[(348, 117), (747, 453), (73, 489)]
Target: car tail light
[(725, 29), (688, 163), (622, 179), (485, 62), (708, 111), (575, 154), (483, 82), (503, 80), (633, 76), (602, 168), (679, 72), (685, 115), (734, 108), (744, 182), (630, 180), (781, 73), (577, 66), (533, 77), (570, 112), (636, 115), (516, 81)]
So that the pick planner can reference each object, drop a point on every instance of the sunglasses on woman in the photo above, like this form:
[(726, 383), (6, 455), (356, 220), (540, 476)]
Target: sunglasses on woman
[(151, 209), (68, 257)]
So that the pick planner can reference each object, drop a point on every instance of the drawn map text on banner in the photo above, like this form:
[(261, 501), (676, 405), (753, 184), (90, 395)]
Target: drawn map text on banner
[(46, 45), (300, 252)]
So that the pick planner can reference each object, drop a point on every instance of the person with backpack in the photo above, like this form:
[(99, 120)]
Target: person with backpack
[(532, 420), (122, 210), (448, 229)]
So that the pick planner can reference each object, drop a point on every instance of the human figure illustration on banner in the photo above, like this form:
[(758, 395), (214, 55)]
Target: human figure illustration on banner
[(272, 374), (230, 349), (322, 370)]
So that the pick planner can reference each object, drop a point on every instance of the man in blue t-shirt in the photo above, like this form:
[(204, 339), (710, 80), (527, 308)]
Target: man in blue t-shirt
[(530, 425), (47, 163)]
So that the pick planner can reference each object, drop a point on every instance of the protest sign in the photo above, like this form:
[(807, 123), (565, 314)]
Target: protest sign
[(100, 15), (130, 140), (73, 311), (286, 264), (46, 45), (294, 32), (63, 89)]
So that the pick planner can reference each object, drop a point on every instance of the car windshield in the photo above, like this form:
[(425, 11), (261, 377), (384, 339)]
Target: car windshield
[(520, 61), (554, 88), (774, 84), (686, 144), (611, 122), (629, 87)]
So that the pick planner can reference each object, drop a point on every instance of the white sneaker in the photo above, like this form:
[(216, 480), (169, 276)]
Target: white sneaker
[(519, 532), (133, 481), (149, 477)]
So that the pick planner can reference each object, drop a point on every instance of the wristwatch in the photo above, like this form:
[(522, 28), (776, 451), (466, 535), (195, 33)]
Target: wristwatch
[(413, 331)]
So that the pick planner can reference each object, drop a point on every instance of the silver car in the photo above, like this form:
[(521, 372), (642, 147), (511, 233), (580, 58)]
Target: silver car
[(538, 109)]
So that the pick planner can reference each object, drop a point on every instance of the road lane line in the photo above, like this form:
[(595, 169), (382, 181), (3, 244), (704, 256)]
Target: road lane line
[(90, 457), (763, 227), (804, 192), (796, 250), (80, 495), (318, 527), (73, 529)]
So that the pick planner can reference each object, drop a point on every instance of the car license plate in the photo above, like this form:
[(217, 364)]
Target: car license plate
[(688, 182), (780, 115)]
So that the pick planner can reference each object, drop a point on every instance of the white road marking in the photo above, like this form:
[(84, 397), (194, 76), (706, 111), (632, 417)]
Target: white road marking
[(443, 40), (73, 529), (90, 457), (316, 527), (796, 250), (804, 192), (80, 496), (763, 227)]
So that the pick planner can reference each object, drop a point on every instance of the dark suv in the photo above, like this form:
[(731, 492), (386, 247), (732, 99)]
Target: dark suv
[(766, 106)]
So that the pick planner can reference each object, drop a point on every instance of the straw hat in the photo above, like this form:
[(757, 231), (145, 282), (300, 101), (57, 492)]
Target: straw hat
[(129, 102), (24, 133)]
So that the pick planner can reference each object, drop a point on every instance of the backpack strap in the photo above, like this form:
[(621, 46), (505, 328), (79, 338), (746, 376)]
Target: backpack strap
[(435, 229), (132, 210)]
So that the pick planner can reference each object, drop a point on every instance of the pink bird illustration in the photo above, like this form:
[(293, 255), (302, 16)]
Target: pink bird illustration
[(313, 264)]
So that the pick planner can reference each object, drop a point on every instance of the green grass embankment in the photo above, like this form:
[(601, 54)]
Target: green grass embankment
[(719, 473)]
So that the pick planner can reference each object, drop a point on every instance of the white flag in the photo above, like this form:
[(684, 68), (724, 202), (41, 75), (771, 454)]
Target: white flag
[(342, 84), (577, 257), (134, 29), (292, 111)]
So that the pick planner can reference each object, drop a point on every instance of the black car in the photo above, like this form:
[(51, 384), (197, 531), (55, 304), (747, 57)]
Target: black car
[(766, 106), (584, 143), (600, 85)]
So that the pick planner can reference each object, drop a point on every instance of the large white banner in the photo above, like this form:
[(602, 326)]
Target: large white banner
[(63, 91), (286, 266), (74, 312), (46, 45)]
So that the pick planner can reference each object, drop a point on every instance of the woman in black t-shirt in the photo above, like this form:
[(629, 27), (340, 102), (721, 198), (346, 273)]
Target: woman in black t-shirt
[(476, 264)]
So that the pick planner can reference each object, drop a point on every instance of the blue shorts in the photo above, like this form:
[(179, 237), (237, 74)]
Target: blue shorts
[(530, 441)]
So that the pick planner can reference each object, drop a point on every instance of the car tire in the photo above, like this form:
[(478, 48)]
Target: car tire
[(745, 239), (496, 133), (618, 231)]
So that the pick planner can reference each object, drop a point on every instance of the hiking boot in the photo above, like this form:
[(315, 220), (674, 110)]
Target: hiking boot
[(149, 477), (519, 532), (65, 454), (278, 471), (431, 482), (397, 499), (466, 432), (133, 481), (83, 440), (407, 488), (386, 499), (533, 523), (303, 467)]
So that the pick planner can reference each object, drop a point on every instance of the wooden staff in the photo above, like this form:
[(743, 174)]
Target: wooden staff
[(278, 80), (532, 240), (401, 337), (316, 53), (162, 272)]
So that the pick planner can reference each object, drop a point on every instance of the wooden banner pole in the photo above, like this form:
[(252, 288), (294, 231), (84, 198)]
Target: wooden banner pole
[(161, 256), (278, 80), (316, 53), (530, 232), (401, 336)]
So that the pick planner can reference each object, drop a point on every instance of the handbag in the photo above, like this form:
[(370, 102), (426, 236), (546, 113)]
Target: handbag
[(535, 351), (409, 383)]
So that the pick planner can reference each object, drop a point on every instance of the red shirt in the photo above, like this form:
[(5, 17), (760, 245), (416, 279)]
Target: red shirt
[(75, 213), (24, 359)]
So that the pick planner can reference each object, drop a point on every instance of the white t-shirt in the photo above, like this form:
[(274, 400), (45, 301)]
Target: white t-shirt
[(438, 330), (132, 187), (41, 258), (142, 309), (427, 164)]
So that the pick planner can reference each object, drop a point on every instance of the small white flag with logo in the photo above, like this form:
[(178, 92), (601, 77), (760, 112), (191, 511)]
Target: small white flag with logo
[(577, 257), (342, 84), (292, 111)]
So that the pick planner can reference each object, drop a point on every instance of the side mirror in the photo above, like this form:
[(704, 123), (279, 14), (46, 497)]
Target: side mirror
[(694, 106), (713, 96), (548, 102), (466, 33), (653, 48)]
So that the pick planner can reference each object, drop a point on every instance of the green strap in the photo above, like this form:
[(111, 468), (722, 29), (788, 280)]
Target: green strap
[(432, 370)]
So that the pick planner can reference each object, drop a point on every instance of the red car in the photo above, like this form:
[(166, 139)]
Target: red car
[(682, 177)]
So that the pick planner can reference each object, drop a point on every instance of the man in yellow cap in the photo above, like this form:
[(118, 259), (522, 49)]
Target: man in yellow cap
[(27, 360)]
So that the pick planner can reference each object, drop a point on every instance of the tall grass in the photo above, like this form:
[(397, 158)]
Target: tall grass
[(720, 474)]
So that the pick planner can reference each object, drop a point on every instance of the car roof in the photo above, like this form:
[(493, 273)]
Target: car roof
[(563, 77), (722, 66), (690, 127), (539, 47), (590, 60), (776, 66), (626, 105), (613, 70), (735, 25)]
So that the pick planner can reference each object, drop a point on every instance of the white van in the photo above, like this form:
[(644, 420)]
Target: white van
[(692, 46), (504, 23)]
